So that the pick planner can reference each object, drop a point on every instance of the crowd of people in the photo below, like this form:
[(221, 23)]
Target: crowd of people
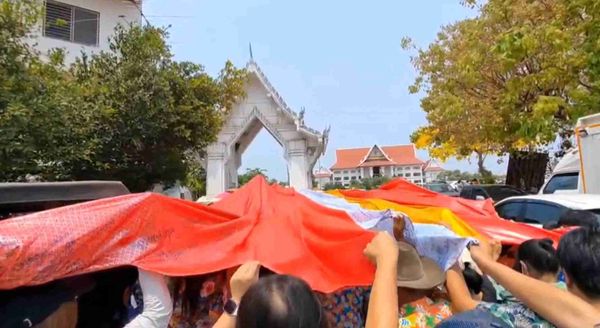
[(546, 287)]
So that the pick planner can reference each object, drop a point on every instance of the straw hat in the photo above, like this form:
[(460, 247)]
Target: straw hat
[(417, 272)]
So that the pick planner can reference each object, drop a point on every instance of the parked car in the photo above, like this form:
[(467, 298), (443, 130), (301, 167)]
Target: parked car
[(442, 188), (23, 198), (546, 210), (495, 192)]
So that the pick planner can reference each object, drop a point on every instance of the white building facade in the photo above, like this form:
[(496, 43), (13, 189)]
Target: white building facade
[(432, 170), (322, 177), (386, 161), (82, 25)]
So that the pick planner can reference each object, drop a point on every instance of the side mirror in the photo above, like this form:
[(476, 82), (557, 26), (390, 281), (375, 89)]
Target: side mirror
[(479, 197)]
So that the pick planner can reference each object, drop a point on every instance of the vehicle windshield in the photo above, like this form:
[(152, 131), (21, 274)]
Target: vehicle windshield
[(568, 181), (439, 187)]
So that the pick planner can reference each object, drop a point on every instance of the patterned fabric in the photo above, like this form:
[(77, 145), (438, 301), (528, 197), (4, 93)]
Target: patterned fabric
[(211, 299), (439, 244), (366, 219), (346, 308), (431, 240), (426, 313), (514, 313)]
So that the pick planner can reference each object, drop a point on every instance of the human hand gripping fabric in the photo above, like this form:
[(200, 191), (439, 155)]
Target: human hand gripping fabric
[(243, 278), (489, 250), (383, 303), (382, 248)]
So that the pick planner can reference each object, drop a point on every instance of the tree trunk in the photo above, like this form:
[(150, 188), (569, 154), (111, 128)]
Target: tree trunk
[(527, 170), (480, 163)]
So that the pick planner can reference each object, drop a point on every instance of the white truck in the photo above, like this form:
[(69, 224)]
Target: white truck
[(579, 170)]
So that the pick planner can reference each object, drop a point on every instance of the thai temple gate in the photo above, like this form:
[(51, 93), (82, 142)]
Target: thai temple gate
[(262, 107)]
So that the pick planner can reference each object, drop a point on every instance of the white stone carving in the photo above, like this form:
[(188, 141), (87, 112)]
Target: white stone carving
[(262, 107)]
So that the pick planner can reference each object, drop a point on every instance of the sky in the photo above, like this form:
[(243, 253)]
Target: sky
[(341, 60)]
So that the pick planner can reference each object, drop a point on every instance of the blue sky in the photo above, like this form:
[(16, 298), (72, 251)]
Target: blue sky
[(342, 60)]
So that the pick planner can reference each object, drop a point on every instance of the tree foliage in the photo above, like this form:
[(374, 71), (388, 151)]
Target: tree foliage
[(252, 173), (366, 184), (131, 113), (510, 79)]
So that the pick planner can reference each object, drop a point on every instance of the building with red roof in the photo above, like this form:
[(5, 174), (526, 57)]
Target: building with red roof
[(432, 170), (377, 161)]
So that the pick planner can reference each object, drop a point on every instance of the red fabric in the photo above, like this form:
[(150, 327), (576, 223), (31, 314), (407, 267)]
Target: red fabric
[(283, 230), (481, 215)]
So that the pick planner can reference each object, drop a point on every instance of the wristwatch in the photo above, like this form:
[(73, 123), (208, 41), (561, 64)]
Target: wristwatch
[(231, 308)]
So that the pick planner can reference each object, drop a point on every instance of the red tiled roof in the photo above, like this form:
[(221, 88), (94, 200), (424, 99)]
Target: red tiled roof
[(399, 155), (432, 166)]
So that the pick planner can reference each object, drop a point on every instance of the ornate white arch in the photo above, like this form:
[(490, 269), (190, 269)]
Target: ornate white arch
[(263, 107)]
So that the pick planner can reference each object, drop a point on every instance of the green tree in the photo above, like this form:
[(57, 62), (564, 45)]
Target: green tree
[(251, 174), (333, 186), (41, 129), (509, 80), (150, 111), (131, 113)]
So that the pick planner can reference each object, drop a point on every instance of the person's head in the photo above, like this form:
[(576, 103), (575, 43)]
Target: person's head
[(417, 276), (578, 218), (537, 258), (579, 256), (279, 301), (474, 281)]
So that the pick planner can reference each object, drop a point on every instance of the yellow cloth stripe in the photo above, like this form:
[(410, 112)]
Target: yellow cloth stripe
[(418, 214)]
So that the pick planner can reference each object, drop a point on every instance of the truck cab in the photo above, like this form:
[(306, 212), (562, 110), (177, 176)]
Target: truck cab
[(579, 170)]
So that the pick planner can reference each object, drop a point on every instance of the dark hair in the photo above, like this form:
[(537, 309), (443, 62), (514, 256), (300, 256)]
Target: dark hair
[(539, 255), (578, 218), (280, 301), (473, 279), (579, 255)]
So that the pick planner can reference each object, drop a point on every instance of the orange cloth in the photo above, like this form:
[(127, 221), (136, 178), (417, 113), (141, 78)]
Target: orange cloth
[(285, 231), (480, 215)]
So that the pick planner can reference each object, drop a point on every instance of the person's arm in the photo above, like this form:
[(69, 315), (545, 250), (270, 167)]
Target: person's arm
[(459, 294), (383, 302), (245, 276), (158, 305), (560, 307)]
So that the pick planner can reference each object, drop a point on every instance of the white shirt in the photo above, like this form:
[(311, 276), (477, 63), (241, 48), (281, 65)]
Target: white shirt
[(158, 305)]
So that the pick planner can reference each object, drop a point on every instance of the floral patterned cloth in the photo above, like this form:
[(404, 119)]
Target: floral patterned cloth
[(211, 299), (426, 313), (514, 313), (346, 308)]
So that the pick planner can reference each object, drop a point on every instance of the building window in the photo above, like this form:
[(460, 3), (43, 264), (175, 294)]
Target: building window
[(418, 181), (407, 174), (353, 178), (70, 23), (346, 172), (338, 179), (416, 174), (416, 168), (346, 178), (401, 175)]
